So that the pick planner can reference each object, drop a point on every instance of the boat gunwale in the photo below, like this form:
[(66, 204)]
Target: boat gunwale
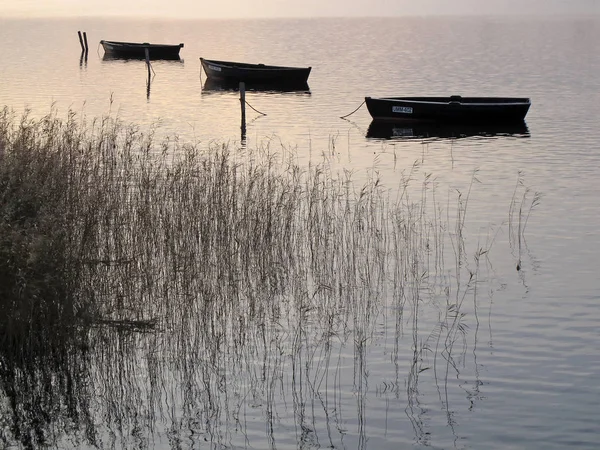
[(511, 101), (140, 44)]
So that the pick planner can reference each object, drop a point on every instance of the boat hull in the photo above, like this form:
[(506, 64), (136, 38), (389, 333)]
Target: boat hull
[(453, 109), (138, 50), (258, 73)]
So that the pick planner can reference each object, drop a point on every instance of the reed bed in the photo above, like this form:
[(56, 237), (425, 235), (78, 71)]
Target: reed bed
[(176, 288)]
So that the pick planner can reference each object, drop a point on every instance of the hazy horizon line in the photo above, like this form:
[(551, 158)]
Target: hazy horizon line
[(524, 14)]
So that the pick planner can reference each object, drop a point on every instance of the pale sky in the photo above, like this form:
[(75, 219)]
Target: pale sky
[(291, 8)]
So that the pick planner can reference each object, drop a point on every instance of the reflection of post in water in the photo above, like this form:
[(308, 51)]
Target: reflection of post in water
[(83, 59), (148, 82)]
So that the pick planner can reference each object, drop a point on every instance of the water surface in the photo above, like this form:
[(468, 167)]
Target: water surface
[(526, 371)]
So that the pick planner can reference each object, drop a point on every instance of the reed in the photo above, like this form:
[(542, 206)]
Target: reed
[(189, 284), (523, 202)]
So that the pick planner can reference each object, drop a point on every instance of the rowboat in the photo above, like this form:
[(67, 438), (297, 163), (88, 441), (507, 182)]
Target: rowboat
[(215, 85), (388, 130), (138, 50), (237, 71), (118, 59), (454, 109)]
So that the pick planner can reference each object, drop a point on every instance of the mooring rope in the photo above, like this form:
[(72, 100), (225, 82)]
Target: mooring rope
[(343, 117), (255, 109)]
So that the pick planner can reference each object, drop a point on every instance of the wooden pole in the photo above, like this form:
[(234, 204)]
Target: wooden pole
[(85, 41), (243, 105), (147, 51), (81, 41)]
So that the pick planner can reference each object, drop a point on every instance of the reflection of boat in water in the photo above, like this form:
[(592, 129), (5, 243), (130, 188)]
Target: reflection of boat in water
[(390, 130), (296, 87)]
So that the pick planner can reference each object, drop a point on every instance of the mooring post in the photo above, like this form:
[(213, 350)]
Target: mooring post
[(81, 42), (85, 41), (243, 105), (147, 51)]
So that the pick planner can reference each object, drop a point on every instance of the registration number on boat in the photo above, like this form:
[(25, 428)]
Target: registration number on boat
[(402, 109), (216, 69)]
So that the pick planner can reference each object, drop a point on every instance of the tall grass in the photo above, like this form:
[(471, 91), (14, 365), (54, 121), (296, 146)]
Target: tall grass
[(174, 287)]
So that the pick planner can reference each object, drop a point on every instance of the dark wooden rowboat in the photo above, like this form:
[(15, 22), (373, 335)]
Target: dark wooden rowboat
[(117, 59), (138, 50), (454, 109), (236, 72)]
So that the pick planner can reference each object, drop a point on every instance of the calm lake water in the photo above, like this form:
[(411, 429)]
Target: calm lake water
[(526, 368)]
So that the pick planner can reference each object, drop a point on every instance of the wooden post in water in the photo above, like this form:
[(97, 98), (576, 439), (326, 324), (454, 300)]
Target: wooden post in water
[(147, 51), (243, 105), (85, 41), (81, 42)]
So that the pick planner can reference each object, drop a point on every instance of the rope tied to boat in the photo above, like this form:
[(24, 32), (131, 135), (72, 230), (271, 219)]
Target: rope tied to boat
[(347, 115), (255, 108)]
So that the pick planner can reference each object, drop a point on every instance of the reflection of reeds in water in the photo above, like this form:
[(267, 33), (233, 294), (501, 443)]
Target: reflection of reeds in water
[(202, 295), (521, 206)]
